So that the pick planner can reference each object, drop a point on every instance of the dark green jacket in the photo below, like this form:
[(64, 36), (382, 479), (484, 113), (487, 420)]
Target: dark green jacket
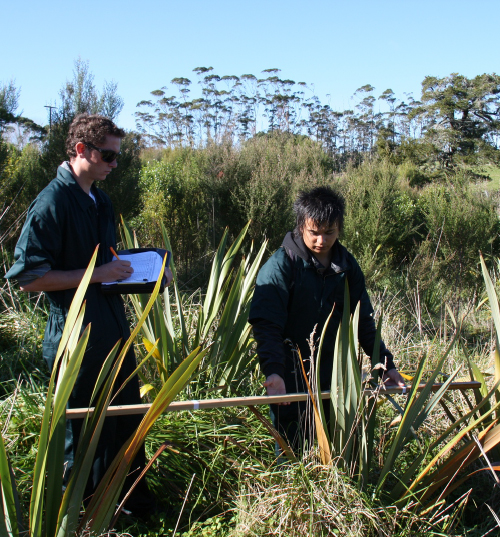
[(293, 294), (62, 229)]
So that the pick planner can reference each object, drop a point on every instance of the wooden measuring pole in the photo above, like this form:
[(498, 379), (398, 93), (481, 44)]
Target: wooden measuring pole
[(176, 406)]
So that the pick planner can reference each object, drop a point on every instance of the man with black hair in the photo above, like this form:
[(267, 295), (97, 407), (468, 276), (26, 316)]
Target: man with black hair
[(65, 223), (296, 290)]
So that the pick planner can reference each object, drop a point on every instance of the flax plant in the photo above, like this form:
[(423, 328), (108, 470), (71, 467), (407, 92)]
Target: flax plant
[(220, 320), (52, 512), (351, 432)]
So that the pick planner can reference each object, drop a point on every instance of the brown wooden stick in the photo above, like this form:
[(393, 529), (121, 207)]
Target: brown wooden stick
[(204, 404)]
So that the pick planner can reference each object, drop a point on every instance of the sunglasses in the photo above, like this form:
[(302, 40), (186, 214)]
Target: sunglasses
[(107, 155)]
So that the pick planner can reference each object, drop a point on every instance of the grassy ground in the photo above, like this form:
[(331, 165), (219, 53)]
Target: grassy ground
[(222, 479), (218, 474), (492, 183)]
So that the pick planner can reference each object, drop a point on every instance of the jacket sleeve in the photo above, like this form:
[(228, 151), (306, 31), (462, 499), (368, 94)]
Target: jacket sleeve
[(39, 244), (366, 326), (269, 312), (269, 338)]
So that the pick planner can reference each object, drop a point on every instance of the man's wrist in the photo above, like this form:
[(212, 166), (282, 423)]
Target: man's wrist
[(276, 376)]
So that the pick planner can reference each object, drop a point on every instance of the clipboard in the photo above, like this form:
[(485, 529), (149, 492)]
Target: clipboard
[(138, 288)]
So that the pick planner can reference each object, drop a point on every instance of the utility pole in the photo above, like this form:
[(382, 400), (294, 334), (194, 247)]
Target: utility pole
[(50, 116)]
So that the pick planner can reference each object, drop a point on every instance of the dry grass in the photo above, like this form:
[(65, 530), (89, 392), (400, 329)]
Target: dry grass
[(305, 498)]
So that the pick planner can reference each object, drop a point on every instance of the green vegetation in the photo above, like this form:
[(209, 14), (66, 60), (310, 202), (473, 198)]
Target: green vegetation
[(490, 176), (421, 183), (52, 510), (239, 488)]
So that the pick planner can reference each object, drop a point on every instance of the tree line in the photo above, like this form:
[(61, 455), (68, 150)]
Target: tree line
[(455, 115)]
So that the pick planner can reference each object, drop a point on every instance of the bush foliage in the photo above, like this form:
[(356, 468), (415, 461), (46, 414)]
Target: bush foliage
[(400, 218)]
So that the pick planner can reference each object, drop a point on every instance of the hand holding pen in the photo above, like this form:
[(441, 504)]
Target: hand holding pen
[(121, 269), (116, 270)]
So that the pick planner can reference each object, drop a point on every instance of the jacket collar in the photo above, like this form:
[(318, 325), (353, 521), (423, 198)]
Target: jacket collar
[(340, 260), (65, 176), (293, 243)]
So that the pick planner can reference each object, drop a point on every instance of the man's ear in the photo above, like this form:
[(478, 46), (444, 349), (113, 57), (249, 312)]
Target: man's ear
[(80, 149)]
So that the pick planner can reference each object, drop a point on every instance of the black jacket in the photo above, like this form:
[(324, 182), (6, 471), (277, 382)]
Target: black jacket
[(293, 295)]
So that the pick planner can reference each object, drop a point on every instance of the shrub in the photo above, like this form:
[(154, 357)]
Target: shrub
[(259, 181), (21, 180), (459, 222), (171, 193), (412, 174), (197, 193), (382, 219), (122, 185)]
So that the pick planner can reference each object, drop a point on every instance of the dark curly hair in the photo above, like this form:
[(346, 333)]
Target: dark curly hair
[(92, 129), (321, 205)]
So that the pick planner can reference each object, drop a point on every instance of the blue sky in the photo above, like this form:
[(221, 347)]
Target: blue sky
[(338, 46)]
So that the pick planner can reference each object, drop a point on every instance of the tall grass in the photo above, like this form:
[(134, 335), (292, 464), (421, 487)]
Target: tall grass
[(53, 511), (22, 323), (237, 485), (305, 498)]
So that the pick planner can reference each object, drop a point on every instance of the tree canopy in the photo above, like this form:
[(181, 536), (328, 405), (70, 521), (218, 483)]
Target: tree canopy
[(455, 115), (460, 114)]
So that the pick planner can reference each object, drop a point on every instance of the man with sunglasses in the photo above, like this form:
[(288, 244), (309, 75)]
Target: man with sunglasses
[(65, 223)]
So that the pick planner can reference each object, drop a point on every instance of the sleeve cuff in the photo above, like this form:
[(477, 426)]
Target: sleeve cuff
[(28, 276), (274, 368)]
